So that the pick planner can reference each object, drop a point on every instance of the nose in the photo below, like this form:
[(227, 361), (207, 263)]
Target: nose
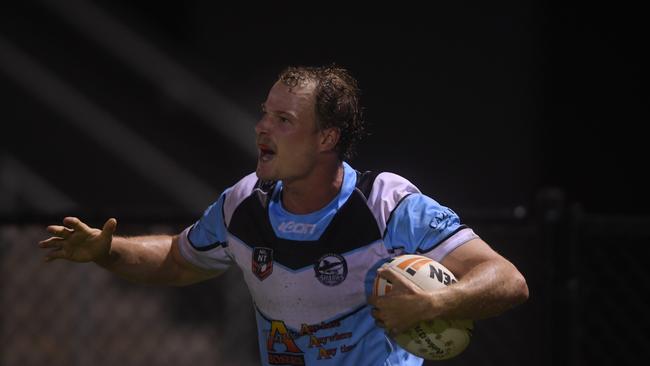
[(262, 126)]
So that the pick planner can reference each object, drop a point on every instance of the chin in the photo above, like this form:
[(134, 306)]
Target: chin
[(264, 173)]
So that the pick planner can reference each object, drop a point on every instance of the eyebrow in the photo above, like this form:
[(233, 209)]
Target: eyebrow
[(290, 114)]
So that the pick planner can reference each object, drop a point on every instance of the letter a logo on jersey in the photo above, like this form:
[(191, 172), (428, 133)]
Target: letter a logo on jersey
[(262, 262), (287, 352)]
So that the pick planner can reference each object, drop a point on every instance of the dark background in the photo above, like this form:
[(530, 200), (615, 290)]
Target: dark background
[(481, 105), (526, 118)]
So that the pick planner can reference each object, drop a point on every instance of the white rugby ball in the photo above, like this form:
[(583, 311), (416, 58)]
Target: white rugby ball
[(433, 339)]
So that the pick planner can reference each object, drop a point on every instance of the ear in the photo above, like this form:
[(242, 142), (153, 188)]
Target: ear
[(329, 138)]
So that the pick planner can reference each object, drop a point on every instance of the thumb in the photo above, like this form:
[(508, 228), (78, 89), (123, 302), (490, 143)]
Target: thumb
[(398, 281), (109, 227), (390, 274)]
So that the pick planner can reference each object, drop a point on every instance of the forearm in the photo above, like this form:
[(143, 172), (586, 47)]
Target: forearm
[(145, 259), (488, 285), (486, 290)]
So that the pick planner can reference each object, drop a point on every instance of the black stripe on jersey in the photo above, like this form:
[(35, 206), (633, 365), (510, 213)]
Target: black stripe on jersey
[(420, 251), (365, 182), (352, 227), (390, 217), (206, 247), (209, 247), (264, 189)]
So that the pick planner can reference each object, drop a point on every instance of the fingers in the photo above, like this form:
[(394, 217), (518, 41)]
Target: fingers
[(75, 224), (386, 324), (390, 274), (72, 224), (399, 284), (60, 231), (109, 227), (372, 300), (53, 242), (56, 254), (378, 321)]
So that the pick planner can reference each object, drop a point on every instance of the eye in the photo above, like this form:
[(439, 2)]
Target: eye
[(284, 119)]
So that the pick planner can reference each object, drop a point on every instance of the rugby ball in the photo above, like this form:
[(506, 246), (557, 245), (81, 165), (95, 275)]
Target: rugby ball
[(432, 339)]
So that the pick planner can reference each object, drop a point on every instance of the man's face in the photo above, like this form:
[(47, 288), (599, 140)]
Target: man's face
[(287, 137)]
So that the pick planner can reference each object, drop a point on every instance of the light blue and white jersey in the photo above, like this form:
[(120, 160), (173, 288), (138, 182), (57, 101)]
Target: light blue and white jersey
[(310, 275)]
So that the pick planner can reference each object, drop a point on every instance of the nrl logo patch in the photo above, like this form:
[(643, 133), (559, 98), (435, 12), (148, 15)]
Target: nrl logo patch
[(262, 262), (331, 269)]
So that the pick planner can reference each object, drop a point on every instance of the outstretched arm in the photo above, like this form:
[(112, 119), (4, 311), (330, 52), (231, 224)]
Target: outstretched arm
[(488, 285), (148, 259)]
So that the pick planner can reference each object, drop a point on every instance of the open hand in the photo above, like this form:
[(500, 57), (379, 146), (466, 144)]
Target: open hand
[(77, 242)]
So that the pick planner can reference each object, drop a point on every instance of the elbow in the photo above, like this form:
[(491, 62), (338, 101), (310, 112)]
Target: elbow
[(520, 290)]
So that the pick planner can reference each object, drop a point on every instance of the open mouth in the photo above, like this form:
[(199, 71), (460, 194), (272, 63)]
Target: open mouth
[(266, 152)]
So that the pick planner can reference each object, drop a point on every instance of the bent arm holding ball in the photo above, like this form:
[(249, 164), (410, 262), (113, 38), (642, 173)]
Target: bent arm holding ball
[(488, 284)]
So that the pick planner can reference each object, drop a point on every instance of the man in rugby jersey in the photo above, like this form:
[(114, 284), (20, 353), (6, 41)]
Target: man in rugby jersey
[(309, 233)]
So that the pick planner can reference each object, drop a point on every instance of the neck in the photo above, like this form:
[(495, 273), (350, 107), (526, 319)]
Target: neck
[(315, 191)]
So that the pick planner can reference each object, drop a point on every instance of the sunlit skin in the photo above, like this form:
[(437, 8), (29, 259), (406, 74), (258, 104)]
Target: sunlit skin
[(293, 149)]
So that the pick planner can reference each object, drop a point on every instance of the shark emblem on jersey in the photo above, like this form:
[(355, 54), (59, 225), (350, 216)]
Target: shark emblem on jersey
[(262, 262), (331, 269)]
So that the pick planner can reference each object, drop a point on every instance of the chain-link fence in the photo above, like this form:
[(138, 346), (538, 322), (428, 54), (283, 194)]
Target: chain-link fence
[(611, 323), (60, 313)]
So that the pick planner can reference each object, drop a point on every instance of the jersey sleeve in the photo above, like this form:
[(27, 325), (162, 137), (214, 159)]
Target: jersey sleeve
[(412, 222), (421, 225), (205, 244)]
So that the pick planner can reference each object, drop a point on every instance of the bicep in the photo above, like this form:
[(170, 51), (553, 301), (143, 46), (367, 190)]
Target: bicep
[(469, 255), (186, 272)]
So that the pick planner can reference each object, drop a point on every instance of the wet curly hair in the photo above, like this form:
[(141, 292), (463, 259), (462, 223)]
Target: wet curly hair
[(337, 102)]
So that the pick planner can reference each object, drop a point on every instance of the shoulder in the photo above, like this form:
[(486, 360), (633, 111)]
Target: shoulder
[(237, 193), (241, 189), (383, 192), (245, 185), (390, 188)]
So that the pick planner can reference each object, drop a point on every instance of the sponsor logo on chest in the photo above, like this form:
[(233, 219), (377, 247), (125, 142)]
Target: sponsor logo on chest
[(293, 227)]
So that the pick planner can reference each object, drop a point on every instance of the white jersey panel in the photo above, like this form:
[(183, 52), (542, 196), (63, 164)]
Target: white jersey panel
[(283, 294), (387, 192), (215, 259), (447, 246)]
